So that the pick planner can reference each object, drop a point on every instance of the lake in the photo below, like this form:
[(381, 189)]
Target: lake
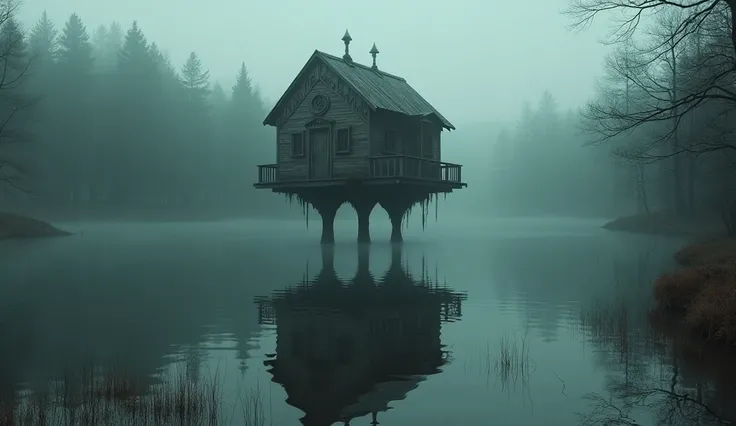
[(538, 321)]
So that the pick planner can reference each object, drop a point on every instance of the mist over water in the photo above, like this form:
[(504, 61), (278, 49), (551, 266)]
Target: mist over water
[(194, 289), (162, 293)]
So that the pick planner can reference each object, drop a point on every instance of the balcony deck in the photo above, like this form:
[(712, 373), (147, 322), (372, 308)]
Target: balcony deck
[(389, 169)]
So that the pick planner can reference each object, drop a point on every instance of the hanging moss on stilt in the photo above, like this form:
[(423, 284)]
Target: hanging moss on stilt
[(424, 206), (304, 204), (424, 203), (436, 208), (405, 199)]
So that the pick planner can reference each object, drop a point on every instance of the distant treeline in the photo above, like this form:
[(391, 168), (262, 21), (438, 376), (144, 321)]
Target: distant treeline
[(659, 128), (541, 166), (103, 123)]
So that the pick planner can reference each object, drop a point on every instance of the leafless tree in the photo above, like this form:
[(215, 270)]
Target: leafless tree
[(694, 16), (632, 12), (14, 101), (619, 94)]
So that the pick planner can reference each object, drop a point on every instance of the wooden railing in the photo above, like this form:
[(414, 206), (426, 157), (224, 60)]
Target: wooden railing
[(267, 173), (390, 166), (405, 166)]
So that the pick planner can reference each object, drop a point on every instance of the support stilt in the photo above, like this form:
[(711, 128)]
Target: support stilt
[(327, 208), (396, 210), (328, 257), (328, 226), (363, 275), (396, 236), (363, 207), (374, 418)]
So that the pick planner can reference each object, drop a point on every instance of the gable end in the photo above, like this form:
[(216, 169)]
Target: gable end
[(314, 71)]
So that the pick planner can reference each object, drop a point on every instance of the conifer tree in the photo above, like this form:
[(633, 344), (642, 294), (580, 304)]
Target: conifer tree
[(75, 51), (43, 43)]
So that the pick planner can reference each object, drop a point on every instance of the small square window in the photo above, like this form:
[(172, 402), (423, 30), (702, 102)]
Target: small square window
[(297, 145), (390, 142), (343, 141)]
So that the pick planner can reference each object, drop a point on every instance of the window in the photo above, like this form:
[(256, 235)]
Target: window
[(343, 141), (390, 142), (297, 144)]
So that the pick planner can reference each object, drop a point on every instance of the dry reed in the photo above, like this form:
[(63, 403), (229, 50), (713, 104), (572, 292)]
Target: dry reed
[(110, 398), (512, 361)]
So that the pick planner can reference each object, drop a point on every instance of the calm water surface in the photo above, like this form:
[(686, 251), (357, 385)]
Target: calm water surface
[(416, 336)]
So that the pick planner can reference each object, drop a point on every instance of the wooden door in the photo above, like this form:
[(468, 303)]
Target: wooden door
[(319, 153)]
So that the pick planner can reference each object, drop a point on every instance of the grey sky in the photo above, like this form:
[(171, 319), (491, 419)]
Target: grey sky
[(473, 61)]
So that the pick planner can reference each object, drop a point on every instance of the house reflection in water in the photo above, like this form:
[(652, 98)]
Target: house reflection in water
[(346, 349)]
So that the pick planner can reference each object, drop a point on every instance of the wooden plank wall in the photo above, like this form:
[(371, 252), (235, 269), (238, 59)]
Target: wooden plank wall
[(341, 113)]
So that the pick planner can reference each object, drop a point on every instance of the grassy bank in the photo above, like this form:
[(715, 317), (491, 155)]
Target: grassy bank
[(702, 292), (664, 223), (17, 226)]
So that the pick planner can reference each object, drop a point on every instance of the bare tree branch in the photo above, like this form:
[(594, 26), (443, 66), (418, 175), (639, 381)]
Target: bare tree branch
[(584, 12)]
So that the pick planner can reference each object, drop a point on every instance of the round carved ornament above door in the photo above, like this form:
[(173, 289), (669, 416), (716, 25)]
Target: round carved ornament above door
[(319, 104)]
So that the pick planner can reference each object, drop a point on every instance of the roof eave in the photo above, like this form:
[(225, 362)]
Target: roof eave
[(445, 123)]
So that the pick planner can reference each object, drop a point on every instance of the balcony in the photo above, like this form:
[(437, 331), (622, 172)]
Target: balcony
[(268, 173), (404, 166), (381, 168)]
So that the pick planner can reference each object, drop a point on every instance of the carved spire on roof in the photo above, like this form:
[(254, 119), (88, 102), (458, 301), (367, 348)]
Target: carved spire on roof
[(374, 52), (347, 39)]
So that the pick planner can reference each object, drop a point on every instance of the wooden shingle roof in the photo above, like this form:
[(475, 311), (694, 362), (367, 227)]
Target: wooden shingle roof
[(380, 90)]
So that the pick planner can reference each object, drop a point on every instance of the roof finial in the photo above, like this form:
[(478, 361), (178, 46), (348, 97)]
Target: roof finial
[(347, 39), (374, 52)]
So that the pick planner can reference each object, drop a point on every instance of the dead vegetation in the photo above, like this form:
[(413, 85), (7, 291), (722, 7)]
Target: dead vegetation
[(703, 291), (112, 398)]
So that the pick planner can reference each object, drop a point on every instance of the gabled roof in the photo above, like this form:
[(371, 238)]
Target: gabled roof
[(380, 90)]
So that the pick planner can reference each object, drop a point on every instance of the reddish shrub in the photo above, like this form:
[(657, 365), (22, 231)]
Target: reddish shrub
[(708, 253), (713, 312), (705, 290), (677, 290)]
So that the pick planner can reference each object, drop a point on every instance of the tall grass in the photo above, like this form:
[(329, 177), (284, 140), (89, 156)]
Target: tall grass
[(110, 398), (512, 362), (252, 404)]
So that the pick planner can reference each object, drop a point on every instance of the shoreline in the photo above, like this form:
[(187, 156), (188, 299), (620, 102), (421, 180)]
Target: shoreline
[(15, 226), (667, 224), (699, 295)]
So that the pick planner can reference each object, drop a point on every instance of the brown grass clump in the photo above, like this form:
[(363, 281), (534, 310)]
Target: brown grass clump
[(714, 311), (704, 290), (708, 253), (679, 289)]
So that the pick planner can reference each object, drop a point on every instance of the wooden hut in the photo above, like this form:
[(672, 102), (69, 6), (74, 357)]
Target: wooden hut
[(347, 132)]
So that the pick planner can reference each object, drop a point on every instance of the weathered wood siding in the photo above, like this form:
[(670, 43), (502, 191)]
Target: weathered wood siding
[(435, 130), (345, 111), (409, 132)]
